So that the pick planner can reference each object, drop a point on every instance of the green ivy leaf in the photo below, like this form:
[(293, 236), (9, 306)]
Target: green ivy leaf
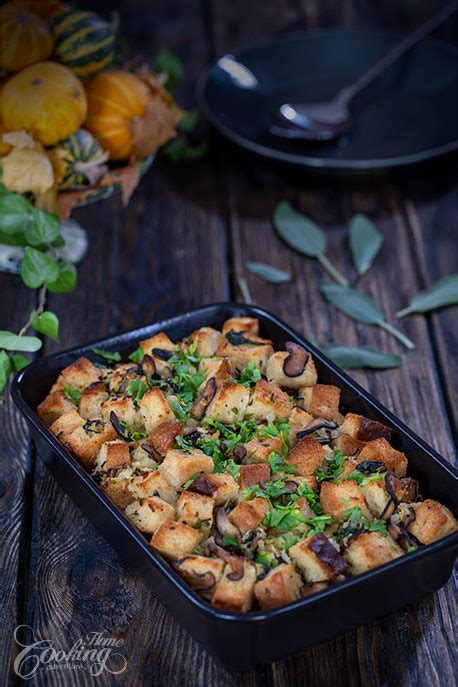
[(353, 357), (5, 369), (13, 342), (180, 149), (268, 273), (48, 324), (44, 228), (443, 292), (189, 120), (15, 217), (66, 279), (18, 361), (365, 242), (37, 268), (168, 63), (299, 232)]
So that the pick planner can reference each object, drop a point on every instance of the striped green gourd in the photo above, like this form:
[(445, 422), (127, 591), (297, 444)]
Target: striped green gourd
[(79, 161)]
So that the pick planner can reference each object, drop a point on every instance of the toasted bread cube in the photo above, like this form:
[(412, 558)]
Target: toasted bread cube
[(257, 473), (248, 515), (153, 484), (207, 340), (162, 438), (229, 402), (321, 400), (317, 563), (348, 445), (380, 450), (309, 480), (178, 466), (175, 539), (337, 498), (84, 446), (259, 448), (195, 510), (78, 375), (155, 409), (92, 399), (219, 368), (235, 590), (116, 488), (118, 378), (363, 429), (142, 460), (200, 572), (280, 586), (306, 456), (67, 423), (268, 402), (276, 375), (377, 498), (113, 454), (149, 513), (299, 420), (432, 521), (254, 350), (160, 348), (249, 325), (369, 550), (227, 488), (124, 410), (54, 406)]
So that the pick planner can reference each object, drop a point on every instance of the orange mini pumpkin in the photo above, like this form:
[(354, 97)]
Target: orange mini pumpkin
[(24, 38), (45, 99), (131, 115)]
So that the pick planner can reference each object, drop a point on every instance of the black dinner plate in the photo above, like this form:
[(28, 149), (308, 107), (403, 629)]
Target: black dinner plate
[(408, 114)]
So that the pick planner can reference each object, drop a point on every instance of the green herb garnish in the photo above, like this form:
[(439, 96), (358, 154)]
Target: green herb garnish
[(111, 356), (137, 356), (331, 468), (72, 394), (136, 389), (230, 542)]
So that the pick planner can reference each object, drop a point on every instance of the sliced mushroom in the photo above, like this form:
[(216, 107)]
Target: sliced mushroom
[(199, 581), (322, 547), (400, 536), (239, 453), (409, 518), (151, 451), (237, 569), (368, 467), (239, 338), (372, 429), (294, 363), (119, 429), (224, 525), (162, 353), (201, 403), (290, 486), (315, 426), (203, 484)]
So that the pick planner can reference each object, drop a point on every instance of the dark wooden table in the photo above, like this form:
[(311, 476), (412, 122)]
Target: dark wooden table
[(182, 242)]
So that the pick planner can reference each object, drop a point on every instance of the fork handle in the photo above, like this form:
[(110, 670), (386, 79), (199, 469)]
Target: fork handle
[(399, 49)]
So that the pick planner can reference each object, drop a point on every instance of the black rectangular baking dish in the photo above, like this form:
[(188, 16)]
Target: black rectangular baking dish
[(242, 641)]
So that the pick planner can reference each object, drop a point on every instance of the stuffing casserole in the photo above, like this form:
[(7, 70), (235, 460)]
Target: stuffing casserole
[(239, 467)]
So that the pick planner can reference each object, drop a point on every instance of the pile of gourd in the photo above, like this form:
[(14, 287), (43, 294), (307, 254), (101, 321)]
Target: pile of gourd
[(61, 98)]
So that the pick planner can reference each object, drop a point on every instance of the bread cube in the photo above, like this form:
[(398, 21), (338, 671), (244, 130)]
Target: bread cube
[(317, 559), (200, 572), (306, 456), (321, 400), (67, 423), (432, 521), (124, 410), (207, 340), (178, 466), (85, 446), (195, 510), (219, 368), (337, 498), (226, 488), (275, 372), (377, 498), (348, 445), (175, 539), (254, 350), (259, 448), (116, 488), (78, 375), (154, 409), (280, 586), (142, 460), (257, 473), (369, 550), (162, 438), (119, 377), (160, 348), (363, 429), (229, 402), (149, 513), (268, 402), (113, 454), (299, 420), (153, 484), (54, 405), (309, 480), (248, 515), (235, 589), (91, 400), (250, 325), (380, 450)]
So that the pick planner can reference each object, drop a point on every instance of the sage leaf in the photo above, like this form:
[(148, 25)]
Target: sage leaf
[(66, 279), (365, 242), (360, 308), (43, 229), (18, 361), (15, 216), (38, 268), (12, 342), (268, 273), (299, 232), (48, 324), (353, 357), (443, 292), (5, 369)]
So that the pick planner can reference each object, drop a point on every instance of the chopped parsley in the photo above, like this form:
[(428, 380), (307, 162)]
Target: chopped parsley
[(356, 522), (313, 499), (111, 356), (281, 429), (133, 434), (179, 411), (136, 389), (230, 542), (249, 375), (318, 524), (72, 393), (271, 490), (137, 356), (190, 480), (286, 541), (361, 479), (266, 558), (277, 464), (283, 518), (331, 468)]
